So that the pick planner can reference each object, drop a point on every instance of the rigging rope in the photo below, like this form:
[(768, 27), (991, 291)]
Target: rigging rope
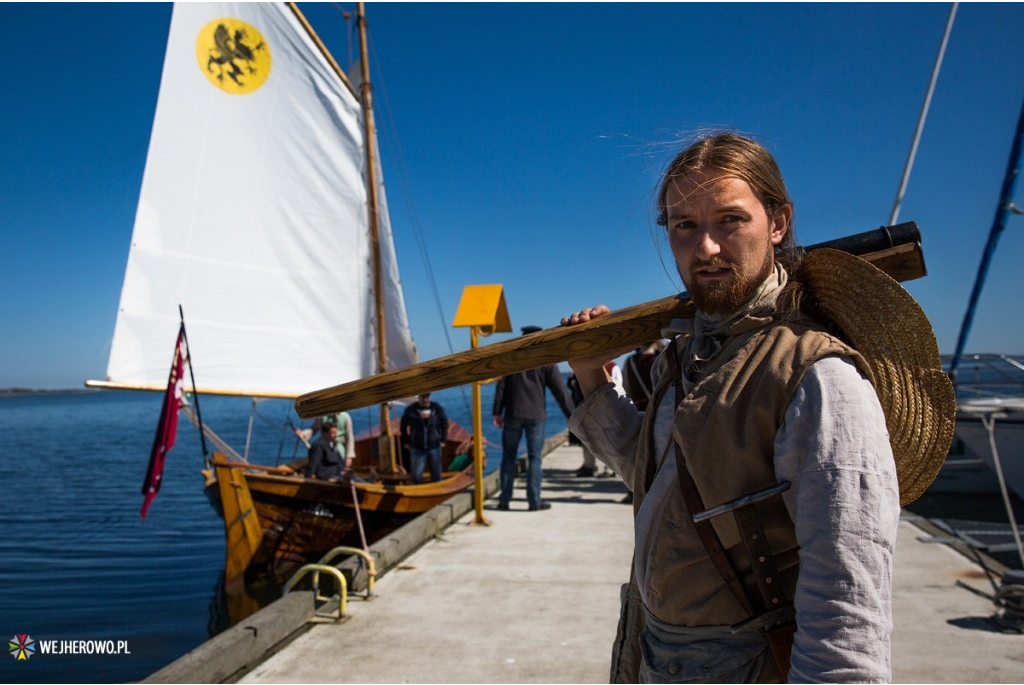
[(273, 424), (215, 439), (989, 422), (287, 427), (402, 174)]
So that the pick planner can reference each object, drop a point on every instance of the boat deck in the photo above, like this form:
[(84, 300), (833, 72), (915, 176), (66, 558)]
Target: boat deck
[(535, 596)]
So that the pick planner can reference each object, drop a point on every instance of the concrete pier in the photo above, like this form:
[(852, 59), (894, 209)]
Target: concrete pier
[(941, 632), (534, 598)]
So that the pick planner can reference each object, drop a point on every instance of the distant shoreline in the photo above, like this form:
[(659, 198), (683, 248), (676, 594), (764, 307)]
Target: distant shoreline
[(16, 392)]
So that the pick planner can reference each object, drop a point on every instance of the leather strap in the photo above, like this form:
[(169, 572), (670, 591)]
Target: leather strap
[(762, 563), (652, 409), (708, 536), (765, 572)]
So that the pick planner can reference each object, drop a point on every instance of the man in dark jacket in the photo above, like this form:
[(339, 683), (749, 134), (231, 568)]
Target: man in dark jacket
[(636, 378), (325, 462), (520, 406), (424, 429)]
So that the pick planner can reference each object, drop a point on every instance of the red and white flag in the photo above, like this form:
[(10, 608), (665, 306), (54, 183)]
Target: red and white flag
[(167, 428)]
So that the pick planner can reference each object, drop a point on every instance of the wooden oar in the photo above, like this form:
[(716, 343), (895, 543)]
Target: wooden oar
[(894, 249)]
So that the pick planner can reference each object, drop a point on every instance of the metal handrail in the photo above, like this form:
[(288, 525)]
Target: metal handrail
[(371, 567), (316, 569)]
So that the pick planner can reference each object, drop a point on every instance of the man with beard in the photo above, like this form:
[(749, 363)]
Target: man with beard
[(751, 399)]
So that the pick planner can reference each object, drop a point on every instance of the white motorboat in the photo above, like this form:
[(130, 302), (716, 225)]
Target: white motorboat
[(989, 426)]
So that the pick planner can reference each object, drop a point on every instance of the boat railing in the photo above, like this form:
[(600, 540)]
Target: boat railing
[(987, 376)]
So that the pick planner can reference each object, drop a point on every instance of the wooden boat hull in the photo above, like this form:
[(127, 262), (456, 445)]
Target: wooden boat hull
[(276, 519)]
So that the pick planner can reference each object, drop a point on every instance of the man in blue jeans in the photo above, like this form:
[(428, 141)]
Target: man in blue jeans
[(520, 407), (424, 429)]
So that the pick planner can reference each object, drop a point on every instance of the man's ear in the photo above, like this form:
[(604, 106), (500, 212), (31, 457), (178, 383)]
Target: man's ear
[(780, 223)]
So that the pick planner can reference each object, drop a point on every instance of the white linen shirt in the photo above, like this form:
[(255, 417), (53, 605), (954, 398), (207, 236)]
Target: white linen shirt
[(844, 501)]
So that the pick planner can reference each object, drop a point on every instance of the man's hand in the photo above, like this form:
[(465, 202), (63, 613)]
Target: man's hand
[(590, 370), (499, 421), (584, 315)]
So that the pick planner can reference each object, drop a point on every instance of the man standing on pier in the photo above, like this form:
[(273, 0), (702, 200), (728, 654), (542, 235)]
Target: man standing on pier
[(520, 407), (756, 398)]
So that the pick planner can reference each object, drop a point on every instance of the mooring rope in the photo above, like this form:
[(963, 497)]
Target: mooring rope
[(359, 516), (1010, 599)]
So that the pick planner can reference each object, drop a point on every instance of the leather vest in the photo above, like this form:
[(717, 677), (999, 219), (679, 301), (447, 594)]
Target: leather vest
[(726, 428)]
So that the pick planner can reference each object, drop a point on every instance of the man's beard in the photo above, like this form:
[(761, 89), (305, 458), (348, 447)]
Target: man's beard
[(724, 298)]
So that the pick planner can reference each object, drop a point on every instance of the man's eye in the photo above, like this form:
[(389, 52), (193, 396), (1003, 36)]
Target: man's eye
[(686, 224)]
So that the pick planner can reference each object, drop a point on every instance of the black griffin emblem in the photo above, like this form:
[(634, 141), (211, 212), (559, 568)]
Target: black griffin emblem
[(230, 50)]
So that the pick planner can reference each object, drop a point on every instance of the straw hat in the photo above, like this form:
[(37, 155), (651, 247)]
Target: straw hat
[(886, 325)]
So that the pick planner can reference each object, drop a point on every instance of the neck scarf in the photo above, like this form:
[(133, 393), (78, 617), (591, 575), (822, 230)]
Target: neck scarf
[(706, 332)]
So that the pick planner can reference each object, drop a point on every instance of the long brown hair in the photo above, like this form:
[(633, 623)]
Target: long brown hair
[(743, 158)]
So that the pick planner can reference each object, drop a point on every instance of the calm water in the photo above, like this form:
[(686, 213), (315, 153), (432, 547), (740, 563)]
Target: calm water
[(76, 561)]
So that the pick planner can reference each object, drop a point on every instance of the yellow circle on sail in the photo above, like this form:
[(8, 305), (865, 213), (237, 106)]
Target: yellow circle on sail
[(233, 55)]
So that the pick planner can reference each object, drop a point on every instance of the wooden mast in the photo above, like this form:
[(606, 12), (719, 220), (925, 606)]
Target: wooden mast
[(387, 443)]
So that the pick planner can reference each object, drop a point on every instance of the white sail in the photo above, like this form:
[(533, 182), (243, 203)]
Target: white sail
[(253, 216)]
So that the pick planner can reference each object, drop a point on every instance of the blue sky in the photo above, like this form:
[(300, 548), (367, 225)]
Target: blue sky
[(523, 142)]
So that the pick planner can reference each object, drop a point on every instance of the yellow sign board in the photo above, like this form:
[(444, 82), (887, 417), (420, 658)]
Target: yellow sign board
[(483, 306)]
